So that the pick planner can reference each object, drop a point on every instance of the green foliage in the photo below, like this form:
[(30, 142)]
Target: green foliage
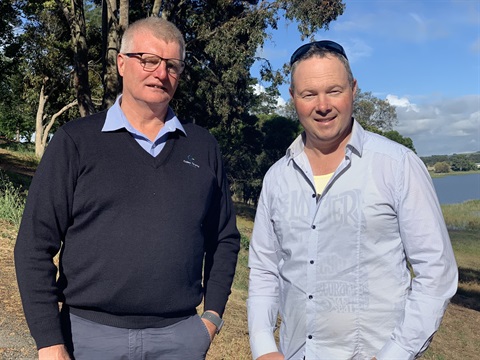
[(216, 89), (461, 163), (244, 241), (312, 15), (457, 162), (395, 136), (12, 201), (8, 22), (441, 167), (15, 116), (240, 282), (279, 132), (373, 113)]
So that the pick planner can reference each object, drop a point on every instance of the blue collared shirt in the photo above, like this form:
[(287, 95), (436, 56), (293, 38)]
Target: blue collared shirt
[(335, 266), (116, 120)]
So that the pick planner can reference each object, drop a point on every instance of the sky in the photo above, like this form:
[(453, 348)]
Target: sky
[(423, 56)]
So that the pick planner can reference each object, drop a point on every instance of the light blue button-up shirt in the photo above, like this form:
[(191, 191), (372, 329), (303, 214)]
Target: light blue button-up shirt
[(335, 267), (116, 120)]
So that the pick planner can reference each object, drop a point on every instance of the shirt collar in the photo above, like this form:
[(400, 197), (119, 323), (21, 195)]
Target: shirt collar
[(116, 120), (355, 144)]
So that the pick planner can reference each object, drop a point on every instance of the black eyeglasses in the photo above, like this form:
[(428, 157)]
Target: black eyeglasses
[(323, 44), (151, 62)]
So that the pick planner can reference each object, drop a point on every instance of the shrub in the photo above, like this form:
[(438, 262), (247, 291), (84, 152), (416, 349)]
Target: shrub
[(12, 201)]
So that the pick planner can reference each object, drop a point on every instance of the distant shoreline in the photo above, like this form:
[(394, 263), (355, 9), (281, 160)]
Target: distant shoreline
[(439, 175)]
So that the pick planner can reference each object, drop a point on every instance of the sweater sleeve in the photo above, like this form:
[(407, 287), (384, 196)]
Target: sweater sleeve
[(44, 223), (222, 243)]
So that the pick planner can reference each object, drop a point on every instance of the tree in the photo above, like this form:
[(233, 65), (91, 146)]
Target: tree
[(433, 159), (288, 110), (222, 39), (75, 16), (240, 151), (77, 53), (15, 116), (374, 113), (278, 132), (441, 167), (395, 136), (461, 162), (114, 23), (12, 114)]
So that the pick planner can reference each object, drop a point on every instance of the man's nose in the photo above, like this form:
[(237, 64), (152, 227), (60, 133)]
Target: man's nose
[(323, 104), (161, 70)]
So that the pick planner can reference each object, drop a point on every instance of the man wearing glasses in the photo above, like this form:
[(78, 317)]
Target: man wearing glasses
[(340, 220), (137, 203)]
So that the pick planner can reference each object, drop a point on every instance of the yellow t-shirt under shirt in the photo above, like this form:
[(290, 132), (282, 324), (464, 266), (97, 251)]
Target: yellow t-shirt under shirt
[(321, 181)]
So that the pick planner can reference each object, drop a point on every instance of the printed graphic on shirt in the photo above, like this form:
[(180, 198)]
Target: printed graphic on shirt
[(342, 285)]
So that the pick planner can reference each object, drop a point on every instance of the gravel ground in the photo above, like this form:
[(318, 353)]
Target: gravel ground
[(15, 340)]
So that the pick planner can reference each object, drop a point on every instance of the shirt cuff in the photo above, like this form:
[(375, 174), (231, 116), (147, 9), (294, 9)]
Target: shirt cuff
[(262, 343), (392, 351)]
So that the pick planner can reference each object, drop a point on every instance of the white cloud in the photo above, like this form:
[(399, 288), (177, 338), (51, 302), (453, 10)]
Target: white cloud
[(440, 126), (281, 102), (259, 89), (401, 102)]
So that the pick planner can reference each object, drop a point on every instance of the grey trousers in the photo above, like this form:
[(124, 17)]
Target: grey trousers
[(186, 340)]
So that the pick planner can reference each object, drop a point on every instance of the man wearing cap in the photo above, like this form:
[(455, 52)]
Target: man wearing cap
[(341, 219)]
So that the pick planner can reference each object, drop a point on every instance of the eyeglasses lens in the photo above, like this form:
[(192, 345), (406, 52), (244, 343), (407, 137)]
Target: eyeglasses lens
[(151, 62)]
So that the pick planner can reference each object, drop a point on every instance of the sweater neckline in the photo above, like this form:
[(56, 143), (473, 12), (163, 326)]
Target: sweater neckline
[(153, 161)]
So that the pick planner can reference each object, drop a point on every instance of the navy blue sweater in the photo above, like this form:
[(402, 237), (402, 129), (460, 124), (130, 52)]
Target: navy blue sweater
[(133, 230)]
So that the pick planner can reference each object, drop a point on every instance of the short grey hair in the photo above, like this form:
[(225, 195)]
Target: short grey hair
[(160, 28)]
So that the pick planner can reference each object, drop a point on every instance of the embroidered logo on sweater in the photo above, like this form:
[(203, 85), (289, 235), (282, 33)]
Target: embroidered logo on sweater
[(191, 161)]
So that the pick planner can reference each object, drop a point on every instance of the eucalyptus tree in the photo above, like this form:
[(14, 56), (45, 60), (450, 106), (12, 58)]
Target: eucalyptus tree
[(222, 39), (46, 57), (374, 113), (73, 10), (397, 137), (12, 114)]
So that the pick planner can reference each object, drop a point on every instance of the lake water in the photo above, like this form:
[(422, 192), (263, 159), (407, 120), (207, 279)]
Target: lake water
[(455, 189)]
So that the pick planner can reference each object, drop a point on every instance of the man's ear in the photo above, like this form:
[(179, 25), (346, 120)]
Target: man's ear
[(120, 64)]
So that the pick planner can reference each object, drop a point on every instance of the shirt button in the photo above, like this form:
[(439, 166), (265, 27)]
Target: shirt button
[(313, 195), (312, 262), (313, 227), (310, 337), (310, 297)]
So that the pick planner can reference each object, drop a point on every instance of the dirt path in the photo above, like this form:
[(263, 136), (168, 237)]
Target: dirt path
[(10, 163), (15, 340)]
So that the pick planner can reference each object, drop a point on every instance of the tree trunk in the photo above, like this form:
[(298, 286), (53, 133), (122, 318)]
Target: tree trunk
[(111, 46), (42, 100), (46, 130), (124, 9), (156, 7), (76, 21)]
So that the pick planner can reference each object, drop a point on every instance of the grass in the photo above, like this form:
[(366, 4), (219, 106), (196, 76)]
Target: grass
[(463, 216), (12, 200)]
